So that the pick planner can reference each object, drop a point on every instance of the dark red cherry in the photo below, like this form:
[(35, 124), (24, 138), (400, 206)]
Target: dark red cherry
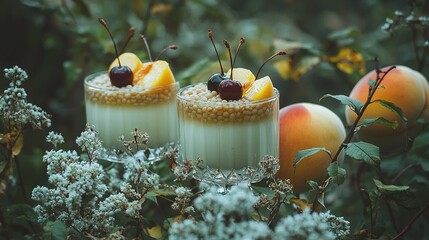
[(230, 90), (214, 81), (121, 76)]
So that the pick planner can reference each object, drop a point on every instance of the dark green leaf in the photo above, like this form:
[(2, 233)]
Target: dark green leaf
[(350, 32), (313, 185), (55, 230), (308, 152), (370, 121), (367, 152), (393, 108), (337, 173), (389, 188), (354, 104)]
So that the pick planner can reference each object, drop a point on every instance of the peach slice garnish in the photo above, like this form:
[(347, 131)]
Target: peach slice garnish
[(243, 75), (128, 59), (260, 89), (156, 74)]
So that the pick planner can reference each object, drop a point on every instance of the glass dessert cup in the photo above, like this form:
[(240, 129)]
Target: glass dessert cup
[(116, 112), (230, 137)]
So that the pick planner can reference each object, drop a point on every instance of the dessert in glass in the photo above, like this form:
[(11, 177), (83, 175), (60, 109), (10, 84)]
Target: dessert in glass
[(118, 111), (227, 135), (229, 124), (133, 95)]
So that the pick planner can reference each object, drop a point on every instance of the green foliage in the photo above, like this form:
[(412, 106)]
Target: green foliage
[(391, 106), (308, 152), (367, 152), (61, 42), (337, 173), (379, 120), (354, 104)]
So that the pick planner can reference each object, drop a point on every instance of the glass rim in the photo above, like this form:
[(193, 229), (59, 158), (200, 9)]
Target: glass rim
[(87, 83), (265, 100)]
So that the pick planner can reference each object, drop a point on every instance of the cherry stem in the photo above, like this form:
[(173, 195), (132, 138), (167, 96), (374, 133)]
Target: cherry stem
[(174, 47), (131, 33), (229, 52), (242, 41), (142, 37), (210, 32), (268, 59), (113, 40)]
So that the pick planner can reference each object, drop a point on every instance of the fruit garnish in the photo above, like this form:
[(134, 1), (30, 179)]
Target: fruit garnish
[(121, 75), (174, 47), (244, 76), (230, 90), (130, 60), (158, 75), (131, 33), (217, 78), (268, 59), (260, 89), (214, 81), (142, 37), (242, 41)]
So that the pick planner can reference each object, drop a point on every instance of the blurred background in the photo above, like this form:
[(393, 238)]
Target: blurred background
[(59, 42)]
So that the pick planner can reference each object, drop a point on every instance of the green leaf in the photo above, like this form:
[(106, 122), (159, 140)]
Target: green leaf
[(337, 173), (313, 184), (367, 152), (186, 75), (380, 120), (393, 108), (308, 152), (350, 32), (354, 104), (55, 230), (389, 188)]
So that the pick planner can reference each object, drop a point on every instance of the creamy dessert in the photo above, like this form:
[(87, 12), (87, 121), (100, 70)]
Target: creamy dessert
[(231, 122), (133, 95), (227, 134), (118, 111)]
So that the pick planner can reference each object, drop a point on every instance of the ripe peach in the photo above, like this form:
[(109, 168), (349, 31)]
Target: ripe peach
[(407, 89), (304, 126)]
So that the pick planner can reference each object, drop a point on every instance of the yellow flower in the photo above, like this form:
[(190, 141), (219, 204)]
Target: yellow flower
[(348, 61)]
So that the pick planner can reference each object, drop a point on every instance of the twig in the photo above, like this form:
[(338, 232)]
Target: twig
[(351, 132), (403, 171), (407, 228)]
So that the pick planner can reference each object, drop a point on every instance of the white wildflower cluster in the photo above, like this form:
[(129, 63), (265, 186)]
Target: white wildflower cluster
[(55, 138), (183, 200), (80, 195), (229, 216), (14, 106), (337, 225), (224, 217), (185, 170), (401, 19), (138, 173), (89, 142), (311, 226)]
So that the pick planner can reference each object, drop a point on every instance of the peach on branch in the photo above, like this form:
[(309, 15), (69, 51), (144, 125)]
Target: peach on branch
[(406, 89), (304, 126)]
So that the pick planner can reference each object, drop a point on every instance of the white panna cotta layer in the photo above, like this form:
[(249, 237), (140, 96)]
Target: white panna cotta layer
[(118, 111), (227, 134)]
